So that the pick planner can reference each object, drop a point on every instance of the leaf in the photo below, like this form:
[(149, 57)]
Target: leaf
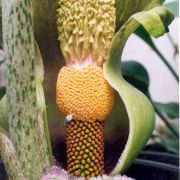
[(170, 144), (125, 8), (143, 34), (174, 124), (168, 141), (155, 21), (135, 73), (170, 110), (165, 138), (174, 6), (4, 115), (140, 111)]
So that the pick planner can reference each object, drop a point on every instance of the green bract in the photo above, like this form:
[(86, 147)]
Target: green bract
[(126, 8), (140, 113)]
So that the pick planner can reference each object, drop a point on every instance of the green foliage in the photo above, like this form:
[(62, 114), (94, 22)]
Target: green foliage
[(165, 138), (126, 8), (169, 110), (136, 74), (169, 143)]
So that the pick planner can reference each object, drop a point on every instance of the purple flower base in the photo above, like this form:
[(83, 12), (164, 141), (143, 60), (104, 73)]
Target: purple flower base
[(57, 173)]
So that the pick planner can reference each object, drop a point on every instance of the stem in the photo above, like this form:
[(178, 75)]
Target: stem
[(175, 46), (166, 63), (25, 123), (165, 120), (167, 123)]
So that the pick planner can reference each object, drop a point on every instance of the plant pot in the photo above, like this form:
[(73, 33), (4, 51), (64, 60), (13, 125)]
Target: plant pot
[(153, 164)]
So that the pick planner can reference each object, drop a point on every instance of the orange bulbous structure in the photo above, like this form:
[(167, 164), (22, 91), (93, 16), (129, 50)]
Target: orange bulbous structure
[(84, 93)]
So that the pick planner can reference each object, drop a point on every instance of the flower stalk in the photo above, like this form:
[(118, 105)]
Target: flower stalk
[(24, 117), (86, 33)]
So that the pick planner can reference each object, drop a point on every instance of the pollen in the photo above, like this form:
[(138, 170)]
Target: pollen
[(85, 94)]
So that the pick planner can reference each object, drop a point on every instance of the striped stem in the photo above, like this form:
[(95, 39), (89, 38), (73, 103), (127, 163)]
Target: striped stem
[(24, 116)]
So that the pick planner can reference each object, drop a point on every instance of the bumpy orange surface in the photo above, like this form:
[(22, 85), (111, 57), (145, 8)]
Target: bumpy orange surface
[(85, 148), (84, 93)]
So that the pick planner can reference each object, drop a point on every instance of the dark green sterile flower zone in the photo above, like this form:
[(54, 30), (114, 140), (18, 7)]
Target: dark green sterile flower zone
[(27, 123)]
